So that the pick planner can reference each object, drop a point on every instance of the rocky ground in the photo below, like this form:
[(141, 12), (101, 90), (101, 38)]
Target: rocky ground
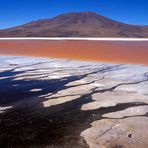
[(70, 104)]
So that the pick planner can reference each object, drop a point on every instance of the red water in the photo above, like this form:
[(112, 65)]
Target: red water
[(108, 51)]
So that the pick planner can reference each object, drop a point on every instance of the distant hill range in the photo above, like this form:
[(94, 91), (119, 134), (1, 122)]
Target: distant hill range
[(81, 24)]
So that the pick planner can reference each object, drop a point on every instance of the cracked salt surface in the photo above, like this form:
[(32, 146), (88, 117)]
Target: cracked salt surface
[(111, 98), (2, 109)]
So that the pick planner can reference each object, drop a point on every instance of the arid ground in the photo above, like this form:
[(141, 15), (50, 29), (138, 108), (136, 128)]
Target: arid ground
[(53, 103), (81, 24), (110, 51)]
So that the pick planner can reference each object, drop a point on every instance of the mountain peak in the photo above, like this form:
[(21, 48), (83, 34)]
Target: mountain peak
[(76, 24), (80, 15), (87, 13)]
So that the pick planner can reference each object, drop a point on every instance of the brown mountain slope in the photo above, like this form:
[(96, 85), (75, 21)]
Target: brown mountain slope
[(82, 24)]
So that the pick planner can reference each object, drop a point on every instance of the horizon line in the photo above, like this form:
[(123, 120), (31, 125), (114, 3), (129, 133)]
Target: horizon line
[(75, 38)]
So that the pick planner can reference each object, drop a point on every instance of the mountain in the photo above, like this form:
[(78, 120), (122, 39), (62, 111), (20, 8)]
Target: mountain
[(81, 24)]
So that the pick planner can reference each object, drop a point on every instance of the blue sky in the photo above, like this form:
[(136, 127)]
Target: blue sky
[(16, 12)]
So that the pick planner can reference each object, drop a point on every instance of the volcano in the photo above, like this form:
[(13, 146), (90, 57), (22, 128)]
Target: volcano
[(79, 24)]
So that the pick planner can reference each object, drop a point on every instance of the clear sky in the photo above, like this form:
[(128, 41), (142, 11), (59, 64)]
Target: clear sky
[(16, 12)]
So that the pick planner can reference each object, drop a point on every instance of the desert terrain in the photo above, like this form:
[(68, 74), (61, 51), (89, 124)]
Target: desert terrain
[(55, 103), (76, 24)]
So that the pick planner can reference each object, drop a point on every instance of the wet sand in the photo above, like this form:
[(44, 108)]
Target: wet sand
[(135, 52)]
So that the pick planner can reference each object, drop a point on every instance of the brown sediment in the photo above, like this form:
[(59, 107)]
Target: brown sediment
[(108, 51)]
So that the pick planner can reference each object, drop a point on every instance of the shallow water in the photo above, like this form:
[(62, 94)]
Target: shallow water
[(110, 51)]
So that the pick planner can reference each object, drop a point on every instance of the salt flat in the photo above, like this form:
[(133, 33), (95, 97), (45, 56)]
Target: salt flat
[(50, 102), (75, 38)]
